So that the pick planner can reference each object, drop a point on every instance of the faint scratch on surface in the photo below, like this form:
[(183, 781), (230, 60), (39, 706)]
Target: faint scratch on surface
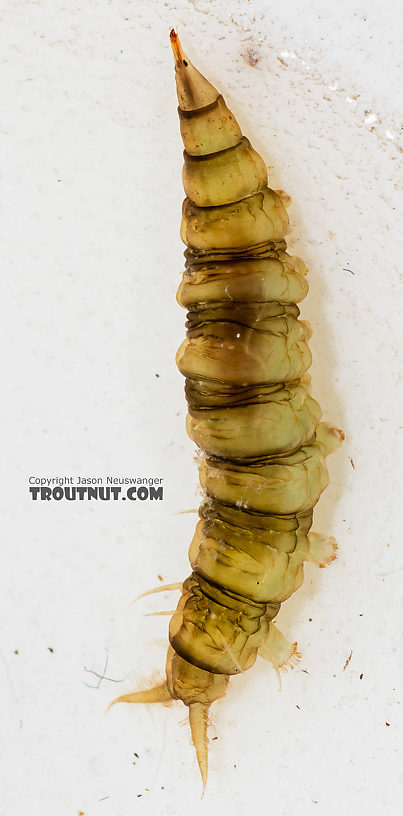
[(348, 660), (164, 737), (390, 572)]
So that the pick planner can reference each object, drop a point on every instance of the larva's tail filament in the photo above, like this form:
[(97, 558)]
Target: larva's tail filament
[(157, 694), (198, 716)]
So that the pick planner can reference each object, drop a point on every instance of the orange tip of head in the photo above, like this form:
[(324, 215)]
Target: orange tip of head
[(176, 46)]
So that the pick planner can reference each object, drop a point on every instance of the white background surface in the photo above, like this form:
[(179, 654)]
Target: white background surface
[(90, 196)]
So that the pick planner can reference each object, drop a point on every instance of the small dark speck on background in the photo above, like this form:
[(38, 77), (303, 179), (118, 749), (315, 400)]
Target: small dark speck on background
[(361, 676), (16, 651), (352, 463), (157, 375), (252, 58), (136, 755), (160, 577), (345, 269), (50, 649), (214, 738), (388, 724)]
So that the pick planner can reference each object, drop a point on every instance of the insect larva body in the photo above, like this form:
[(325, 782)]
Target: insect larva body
[(245, 360)]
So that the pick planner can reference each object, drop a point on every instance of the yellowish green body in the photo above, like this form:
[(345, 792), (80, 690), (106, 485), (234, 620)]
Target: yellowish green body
[(245, 360)]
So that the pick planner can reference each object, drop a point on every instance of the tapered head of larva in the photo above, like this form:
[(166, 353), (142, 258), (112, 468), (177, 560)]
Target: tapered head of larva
[(207, 125), (194, 90)]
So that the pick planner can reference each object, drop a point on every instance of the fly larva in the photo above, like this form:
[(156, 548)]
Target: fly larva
[(250, 412)]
